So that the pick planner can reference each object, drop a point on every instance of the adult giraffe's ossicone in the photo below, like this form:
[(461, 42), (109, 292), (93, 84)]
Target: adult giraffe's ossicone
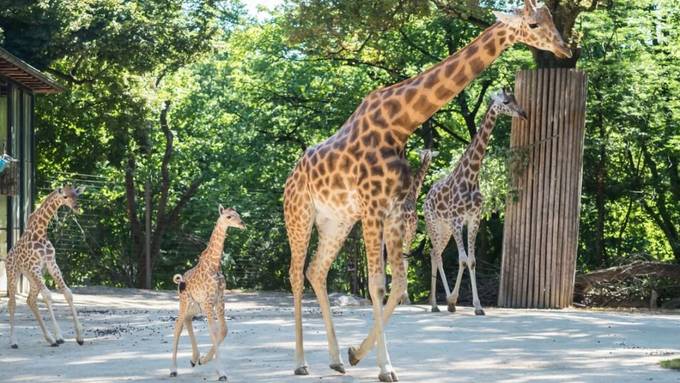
[(360, 173)]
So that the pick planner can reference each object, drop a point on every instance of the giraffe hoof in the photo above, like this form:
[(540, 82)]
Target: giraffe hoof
[(352, 353), (302, 370), (388, 377), (14, 346), (173, 374), (60, 341), (193, 364), (339, 367), (55, 344), (434, 309), (479, 312), (451, 307), (223, 378), (80, 342)]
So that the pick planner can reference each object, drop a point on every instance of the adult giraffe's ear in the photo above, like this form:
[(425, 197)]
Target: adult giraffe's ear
[(60, 190), (221, 209), (79, 190)]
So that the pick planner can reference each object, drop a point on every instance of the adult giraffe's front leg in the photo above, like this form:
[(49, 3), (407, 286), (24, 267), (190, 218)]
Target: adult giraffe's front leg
[(332, 233), (372, 227), (392, 237)]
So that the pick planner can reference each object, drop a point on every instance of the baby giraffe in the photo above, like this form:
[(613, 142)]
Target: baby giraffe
[(410, 212), (31, 254), (201, 289), (456, 200)]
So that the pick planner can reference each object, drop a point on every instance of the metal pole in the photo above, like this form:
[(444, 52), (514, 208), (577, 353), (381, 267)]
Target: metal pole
[(147, 234)]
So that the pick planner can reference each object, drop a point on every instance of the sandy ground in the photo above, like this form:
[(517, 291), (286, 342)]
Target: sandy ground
[(129, 334)]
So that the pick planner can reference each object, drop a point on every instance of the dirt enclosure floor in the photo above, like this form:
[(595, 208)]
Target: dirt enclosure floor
[(129, 338)]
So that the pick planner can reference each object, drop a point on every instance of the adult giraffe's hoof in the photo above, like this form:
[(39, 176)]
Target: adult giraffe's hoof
[(14, 346), (388, 377), (352, 353), (223, 378), (479, 312), (339, 367), (451, 307), (80, 342), (55, 344), (304, 370), (173, 374), (435, 309), (60, 341)]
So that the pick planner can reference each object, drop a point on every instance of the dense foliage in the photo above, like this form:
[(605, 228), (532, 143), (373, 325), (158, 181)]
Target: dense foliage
[(210, 106)]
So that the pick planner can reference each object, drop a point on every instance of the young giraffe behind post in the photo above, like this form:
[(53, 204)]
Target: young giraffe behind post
[(411, 211), (201, 289), (32, 252), (456, 200), (360, 173)]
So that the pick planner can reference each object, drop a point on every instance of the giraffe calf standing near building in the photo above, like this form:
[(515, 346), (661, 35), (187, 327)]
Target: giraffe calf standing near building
[(30, 255), (456, 201), (201, 289)]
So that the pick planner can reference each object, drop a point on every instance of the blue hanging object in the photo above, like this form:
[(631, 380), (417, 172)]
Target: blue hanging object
[(4, 160)]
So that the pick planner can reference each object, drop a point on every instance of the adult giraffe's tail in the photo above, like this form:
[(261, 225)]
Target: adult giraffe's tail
[(179, 280)]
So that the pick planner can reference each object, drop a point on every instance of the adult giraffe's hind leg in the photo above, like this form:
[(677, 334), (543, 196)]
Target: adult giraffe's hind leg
[(299, 216)]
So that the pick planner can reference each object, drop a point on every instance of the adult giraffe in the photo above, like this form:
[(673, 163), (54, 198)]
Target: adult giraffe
[(360, 173)]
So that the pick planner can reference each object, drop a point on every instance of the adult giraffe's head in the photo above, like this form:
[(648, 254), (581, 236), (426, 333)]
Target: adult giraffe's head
[(535, 27), (231, 217), (505, 103)]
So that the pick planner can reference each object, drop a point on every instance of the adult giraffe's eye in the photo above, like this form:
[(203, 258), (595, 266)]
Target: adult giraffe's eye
[(533, 26)]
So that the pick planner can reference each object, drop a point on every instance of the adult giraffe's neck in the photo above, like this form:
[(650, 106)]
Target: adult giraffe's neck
[(42, 216), (213, 254), (477, 148), (427, 92)]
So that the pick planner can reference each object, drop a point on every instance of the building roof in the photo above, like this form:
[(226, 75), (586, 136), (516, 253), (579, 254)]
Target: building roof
[(21, 72)]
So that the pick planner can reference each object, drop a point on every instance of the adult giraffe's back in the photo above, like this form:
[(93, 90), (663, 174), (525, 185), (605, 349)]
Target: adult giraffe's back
[(360, 173)]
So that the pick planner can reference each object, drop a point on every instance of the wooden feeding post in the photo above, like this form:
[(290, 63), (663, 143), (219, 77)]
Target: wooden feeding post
[(540, 236)]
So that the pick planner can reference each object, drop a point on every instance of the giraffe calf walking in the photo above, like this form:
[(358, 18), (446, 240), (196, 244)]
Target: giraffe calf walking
[(201, 289), (32, 252), (456, 201)]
